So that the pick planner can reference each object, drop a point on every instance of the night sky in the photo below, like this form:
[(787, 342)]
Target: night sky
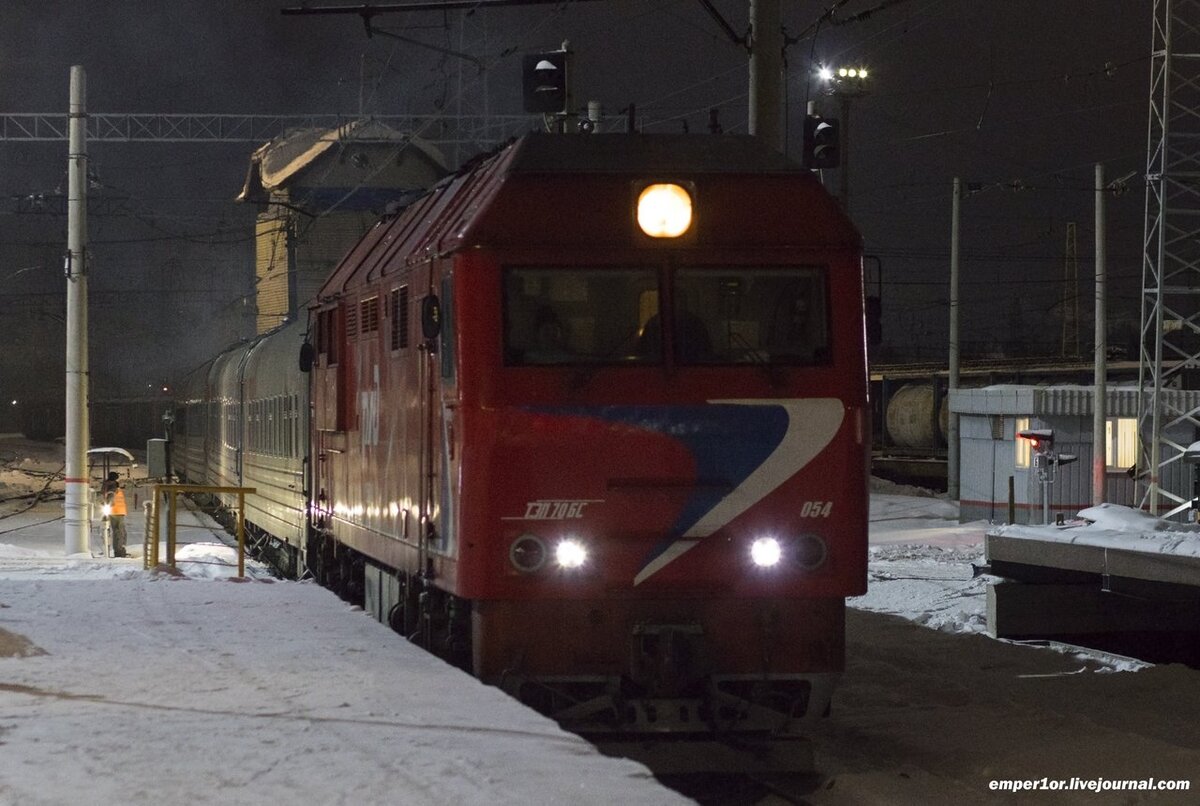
[(1018, 98)]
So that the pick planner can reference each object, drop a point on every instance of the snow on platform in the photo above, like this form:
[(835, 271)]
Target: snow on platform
[(123, 686), (1107, 539)]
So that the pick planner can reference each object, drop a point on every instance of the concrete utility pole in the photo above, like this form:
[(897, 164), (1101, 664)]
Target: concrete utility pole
[(75, 514), (952, 426), (766, 71), (1100, 390)]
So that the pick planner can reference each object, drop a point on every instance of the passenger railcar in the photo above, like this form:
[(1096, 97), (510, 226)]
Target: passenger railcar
[(612, 460), (242, 421)]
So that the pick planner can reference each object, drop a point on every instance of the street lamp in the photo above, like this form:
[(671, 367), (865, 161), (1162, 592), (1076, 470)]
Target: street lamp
[(844, 83)]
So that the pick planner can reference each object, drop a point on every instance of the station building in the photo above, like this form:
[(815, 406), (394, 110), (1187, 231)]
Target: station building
[(992, 459)]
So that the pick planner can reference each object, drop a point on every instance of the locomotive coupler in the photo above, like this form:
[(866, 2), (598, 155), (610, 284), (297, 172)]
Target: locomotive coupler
[(669, 660)]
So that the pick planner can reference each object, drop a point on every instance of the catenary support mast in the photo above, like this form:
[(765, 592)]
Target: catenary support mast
[(75, 515), (1170, 329), (766, 72)]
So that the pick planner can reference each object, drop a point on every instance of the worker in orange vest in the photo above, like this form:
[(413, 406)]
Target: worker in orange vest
[(114, 503)]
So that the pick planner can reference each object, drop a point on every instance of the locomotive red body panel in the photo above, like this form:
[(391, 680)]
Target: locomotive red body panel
[(596, 437)]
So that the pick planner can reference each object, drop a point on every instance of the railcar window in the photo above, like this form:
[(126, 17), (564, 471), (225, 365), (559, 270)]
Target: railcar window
[(579, 316), (751, 315)]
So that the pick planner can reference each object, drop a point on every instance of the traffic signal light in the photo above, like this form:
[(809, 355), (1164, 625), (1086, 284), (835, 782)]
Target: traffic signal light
[(1041, 440), (822, 142), (544, 77)]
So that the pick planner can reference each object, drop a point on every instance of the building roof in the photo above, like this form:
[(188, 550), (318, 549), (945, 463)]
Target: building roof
[(284, 160), (1060, 400)]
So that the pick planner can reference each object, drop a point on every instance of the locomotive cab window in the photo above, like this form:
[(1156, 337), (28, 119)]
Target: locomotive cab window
[(579, 316), (327, 337), (750, 315)]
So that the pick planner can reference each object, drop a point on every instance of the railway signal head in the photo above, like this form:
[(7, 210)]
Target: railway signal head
[(544, 78), (1041, 440), (822, 142)]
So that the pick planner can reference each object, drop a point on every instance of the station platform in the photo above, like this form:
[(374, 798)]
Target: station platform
[(120, 685), (1114, 578)]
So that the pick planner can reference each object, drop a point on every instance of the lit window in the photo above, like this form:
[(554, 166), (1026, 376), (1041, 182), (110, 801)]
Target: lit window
[(1022, 445), (1121, 442)]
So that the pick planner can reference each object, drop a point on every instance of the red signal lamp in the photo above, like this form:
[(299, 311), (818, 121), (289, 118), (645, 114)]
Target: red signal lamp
[(1041, 440)]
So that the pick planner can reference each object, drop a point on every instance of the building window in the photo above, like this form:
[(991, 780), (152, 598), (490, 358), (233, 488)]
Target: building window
[(1121, 443), (1021, 446)]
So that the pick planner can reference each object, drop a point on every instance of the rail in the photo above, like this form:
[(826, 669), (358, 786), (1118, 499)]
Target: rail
[(171, 492)]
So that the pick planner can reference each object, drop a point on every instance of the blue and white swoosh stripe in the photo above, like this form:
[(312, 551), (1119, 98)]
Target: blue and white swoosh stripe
[(790, 443)]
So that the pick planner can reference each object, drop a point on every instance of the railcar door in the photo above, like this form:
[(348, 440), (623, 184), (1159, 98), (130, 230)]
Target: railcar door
[(438, 454), (328, 425)]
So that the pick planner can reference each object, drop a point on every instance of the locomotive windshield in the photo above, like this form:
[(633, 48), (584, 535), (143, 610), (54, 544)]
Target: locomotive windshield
[(578, 316), (750, 315), (612, 316)]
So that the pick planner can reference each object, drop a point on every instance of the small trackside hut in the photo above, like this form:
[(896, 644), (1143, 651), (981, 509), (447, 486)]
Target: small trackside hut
[(618, 470)]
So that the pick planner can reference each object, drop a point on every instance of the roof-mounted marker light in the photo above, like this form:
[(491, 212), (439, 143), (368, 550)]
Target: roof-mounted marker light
[(664, 210)]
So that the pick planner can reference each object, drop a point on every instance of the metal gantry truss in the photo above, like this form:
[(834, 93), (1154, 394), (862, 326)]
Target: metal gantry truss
[(464, 131), (457, 136), (1170, 335)]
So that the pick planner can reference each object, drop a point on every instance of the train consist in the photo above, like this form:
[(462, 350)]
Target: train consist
[(588, 419)]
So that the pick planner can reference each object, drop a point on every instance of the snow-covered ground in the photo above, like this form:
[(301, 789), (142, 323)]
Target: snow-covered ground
[(921, 558), (124, 686)]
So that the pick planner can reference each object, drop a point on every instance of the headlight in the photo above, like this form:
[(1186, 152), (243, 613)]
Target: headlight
[(809, 552), (766, 552), (106, 510), (570, 553), (664, 211), (527, 553)]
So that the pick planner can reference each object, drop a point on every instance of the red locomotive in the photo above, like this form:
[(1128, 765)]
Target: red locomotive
[(590, 418)]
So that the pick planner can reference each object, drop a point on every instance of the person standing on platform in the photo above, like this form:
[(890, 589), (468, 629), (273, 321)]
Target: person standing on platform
[(114, 501)]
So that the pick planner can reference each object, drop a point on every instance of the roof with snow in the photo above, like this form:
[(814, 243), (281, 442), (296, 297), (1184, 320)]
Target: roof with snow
[(290, 159), (1059, 400)]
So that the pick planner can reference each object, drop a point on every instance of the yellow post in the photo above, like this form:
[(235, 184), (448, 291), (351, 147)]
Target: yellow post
[(149, 513), (241, 534), (154, 518), (171, 514), (172, 491)]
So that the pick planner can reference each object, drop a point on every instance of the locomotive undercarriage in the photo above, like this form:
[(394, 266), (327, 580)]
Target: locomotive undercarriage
[(726, 705), (665, 691), (676, 722), (408, 603)]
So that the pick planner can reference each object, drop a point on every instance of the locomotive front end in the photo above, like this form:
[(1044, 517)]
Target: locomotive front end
[(664, 437)]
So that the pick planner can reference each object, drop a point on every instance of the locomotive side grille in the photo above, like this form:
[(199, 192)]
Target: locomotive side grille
[(400, 317), (370, 314)]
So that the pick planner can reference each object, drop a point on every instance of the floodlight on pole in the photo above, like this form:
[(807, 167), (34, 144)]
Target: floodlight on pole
[(843, 83)]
